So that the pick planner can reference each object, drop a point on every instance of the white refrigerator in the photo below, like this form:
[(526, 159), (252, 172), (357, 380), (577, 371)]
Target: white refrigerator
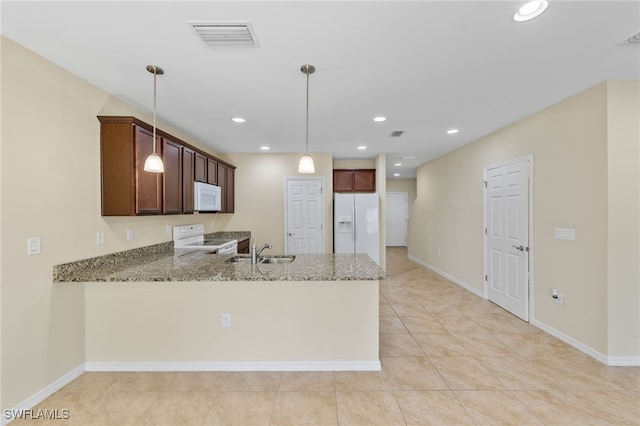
[(356, 224)]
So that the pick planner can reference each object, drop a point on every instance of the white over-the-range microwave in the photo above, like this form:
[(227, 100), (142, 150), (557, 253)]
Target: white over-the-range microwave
[(206, 197)]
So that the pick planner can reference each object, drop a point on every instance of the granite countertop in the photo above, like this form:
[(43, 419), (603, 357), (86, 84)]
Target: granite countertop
[(162, 263)]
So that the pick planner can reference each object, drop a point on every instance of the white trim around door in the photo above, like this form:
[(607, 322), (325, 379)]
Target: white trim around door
[(304, 217), (525, 248)]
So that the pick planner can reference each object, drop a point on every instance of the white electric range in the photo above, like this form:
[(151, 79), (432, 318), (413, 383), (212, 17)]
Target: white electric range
[(191, 237)]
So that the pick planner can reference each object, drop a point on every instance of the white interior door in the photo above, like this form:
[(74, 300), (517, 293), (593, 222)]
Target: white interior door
[(507, 236), (397, 218), (304, 221)]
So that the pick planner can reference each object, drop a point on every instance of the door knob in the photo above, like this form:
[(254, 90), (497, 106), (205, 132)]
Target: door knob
[(520, 247), (290, 234)]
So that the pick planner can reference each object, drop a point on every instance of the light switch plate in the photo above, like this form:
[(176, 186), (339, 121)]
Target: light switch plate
[(33, 246), (566, 234)]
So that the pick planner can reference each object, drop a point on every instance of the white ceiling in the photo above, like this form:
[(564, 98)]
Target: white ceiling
[(426, 65)]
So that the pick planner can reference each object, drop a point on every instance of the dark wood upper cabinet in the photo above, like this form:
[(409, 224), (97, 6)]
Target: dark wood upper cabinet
[(200, 168), (172, 177), (231, 190), (226, 181), (364, 180), (127, 190), (212, 171), (358, 180), (148, 185), (343, 181), (222, 180), (188, 164)]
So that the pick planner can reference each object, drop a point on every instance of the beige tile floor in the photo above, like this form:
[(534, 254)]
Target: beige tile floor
[(448, 358)]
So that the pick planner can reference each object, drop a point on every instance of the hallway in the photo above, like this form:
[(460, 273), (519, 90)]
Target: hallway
[(448, 358)]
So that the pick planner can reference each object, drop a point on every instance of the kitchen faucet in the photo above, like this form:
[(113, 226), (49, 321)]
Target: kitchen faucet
[(255, 253)]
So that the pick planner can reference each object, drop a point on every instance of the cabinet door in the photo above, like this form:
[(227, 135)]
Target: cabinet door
[(148, 184), (342, 180), (172, 177), (212, 171), (364, 180), (188, 163), (118, 172), (222, 182), (243, 246), (230, 190), (200, 168)]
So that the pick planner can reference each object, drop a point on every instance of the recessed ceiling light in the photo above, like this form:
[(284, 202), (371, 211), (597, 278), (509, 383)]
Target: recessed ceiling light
[(379, 119), (396, 174), (452, 131), (398, 164), (362, 147), (265, 148), (530, 10), (238, 120)]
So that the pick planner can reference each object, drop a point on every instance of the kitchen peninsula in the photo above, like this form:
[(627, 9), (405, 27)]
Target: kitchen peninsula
[(156, 309)]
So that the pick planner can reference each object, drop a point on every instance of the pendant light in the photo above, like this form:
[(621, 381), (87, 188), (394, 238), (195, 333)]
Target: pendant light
[(153, 163), (306, 162)]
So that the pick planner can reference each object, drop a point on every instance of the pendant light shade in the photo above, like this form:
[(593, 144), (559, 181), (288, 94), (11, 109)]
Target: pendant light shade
[(153, 163), (306, 162)]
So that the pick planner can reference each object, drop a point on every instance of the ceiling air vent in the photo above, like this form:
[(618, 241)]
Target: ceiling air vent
[(396, 133), (225, 34), (634, 39)]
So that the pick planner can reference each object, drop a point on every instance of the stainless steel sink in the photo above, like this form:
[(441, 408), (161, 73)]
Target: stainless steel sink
[(276, 259), (262, 259), (239, 259)]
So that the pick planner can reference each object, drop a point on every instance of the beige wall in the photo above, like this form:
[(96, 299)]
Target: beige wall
[(180, 323), (569, 143), (51, 189), (623, 278), (354, 164), (260, 188), (404, 185)]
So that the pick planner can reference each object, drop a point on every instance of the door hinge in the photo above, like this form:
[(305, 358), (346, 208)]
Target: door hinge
[(486, 278), (485, 231), (485, 183), (321, 190)]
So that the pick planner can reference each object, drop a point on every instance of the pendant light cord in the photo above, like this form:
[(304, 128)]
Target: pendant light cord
[(307, 135), (155, 77)]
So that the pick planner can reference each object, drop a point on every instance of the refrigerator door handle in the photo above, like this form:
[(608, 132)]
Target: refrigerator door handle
[(354, 214)]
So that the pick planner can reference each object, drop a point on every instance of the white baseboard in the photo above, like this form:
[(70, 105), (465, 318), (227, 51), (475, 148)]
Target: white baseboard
[(447, 276), (608, 360), (42, 394), (624, 361), (236, 366)]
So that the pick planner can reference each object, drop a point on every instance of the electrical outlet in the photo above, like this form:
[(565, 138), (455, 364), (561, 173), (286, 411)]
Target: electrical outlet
[(168, 230), (129, 234), (556, 295), (226, 320), (100, 238)]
